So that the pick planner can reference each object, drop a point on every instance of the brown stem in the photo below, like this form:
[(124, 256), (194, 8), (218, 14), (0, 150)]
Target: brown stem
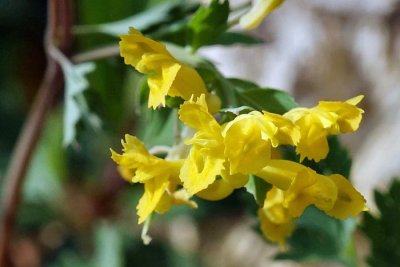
[(58, 33)]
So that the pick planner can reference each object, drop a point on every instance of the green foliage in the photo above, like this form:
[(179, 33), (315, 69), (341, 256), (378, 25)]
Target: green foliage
[(109, 246), (233, 38), (76, 107), (272, 100), (319, 237), (208, 23), (338, 159), (151, 18), (258, 188), (383, 229)]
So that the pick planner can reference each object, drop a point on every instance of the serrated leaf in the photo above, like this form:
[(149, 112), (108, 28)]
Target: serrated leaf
[(208, 23), (258, 188), (383, 230), (142, 21)]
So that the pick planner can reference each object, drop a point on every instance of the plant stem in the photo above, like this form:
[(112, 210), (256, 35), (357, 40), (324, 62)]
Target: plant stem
[(97, 53), (58, 32)]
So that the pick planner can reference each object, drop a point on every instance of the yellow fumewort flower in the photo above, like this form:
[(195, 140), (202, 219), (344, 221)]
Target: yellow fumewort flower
[(250, 137), (295, 187), (166, 75), (159, 176), (327, 118), (204, 171), (276, 222), (259, 10), (302, 187)]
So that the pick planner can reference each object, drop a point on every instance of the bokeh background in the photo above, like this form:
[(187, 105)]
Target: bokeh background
[(77, 211)]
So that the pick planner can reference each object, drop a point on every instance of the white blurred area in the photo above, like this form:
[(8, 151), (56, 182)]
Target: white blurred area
[(322, 50), (333, 50)]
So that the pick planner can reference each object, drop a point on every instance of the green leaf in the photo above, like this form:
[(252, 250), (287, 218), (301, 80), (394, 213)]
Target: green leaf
[(271, 100), (208, 23), (159, 14), (157, 127), (232, 38), (108, 246), (383, 230), (258, 188), (48, 165), (75, 104), (268, 99), (338, 159), (319, 237)]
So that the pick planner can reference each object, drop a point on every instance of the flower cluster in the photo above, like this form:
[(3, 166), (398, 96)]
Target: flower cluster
[(220, 157)]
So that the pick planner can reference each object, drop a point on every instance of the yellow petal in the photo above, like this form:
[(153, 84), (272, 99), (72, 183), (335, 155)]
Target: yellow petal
[(153, 191), (259, 10), (160, 84), (244, 147), (187, 84), (194, 113), (218, 190), (349, 201), (273, 231), (199, 170)]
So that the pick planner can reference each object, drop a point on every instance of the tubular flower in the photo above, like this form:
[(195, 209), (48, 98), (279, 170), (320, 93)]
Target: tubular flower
[(160, 177), (166, 75), (205, 171), (206, 157), (327, 118), (276, 222), (249, 139), (302, 187), (259, 10)]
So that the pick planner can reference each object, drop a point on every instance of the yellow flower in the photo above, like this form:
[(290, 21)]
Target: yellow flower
[(249, 139), (259, 10), (206, 157), (166, 75), (302, 187), (327, 118), (205, 171), (276, 222), (159, 176)]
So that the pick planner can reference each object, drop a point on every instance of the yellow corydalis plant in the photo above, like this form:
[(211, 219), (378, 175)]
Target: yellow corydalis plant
[(327, 118), (159, 176), (166, 75)]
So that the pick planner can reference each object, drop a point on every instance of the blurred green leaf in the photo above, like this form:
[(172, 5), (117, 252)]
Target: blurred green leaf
[(108, 246), (232, 38), (157, 127), (319, 237), (208, 23), (258, 188), (338, 159), (48, 166), (383, 230), (271, 100), (141, 21)]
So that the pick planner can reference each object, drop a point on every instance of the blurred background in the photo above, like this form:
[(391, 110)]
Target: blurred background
[(77, 211)]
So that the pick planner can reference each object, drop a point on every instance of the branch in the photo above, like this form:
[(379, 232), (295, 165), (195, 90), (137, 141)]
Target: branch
[(58, 32)]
